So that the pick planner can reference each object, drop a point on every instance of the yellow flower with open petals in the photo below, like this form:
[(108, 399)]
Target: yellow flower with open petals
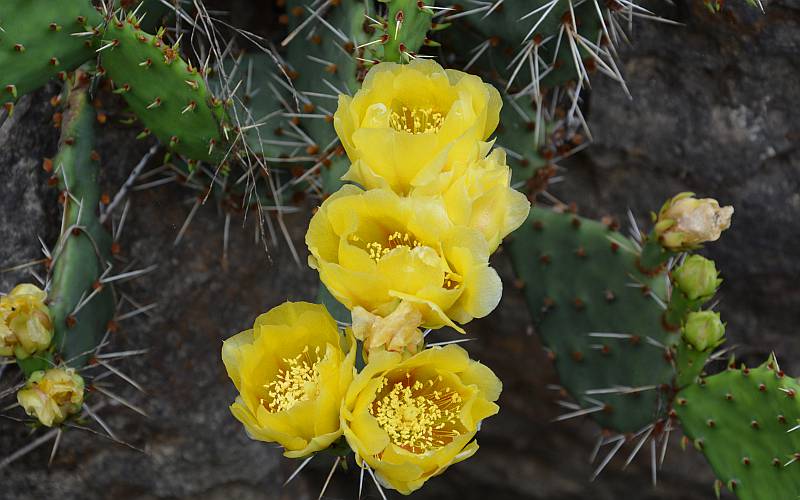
[(291, 370), (411, 124), (409, 420), (482, 198), (374, 249), (25, 323), (52, 395)]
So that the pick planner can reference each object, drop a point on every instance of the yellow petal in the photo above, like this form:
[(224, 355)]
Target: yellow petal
[(232, 354)]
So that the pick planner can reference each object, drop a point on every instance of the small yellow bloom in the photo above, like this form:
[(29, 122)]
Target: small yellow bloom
[(25, 324), (374, 249), (52, 395), (397, 332), (684, 222), (411, 419), (412, 124), (291, 370), (482, 198)]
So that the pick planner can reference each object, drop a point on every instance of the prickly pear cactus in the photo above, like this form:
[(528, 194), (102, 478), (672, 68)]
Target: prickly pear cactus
[(543, 43), (745, 421), (81, 305), (599, 315), (405, 29), (42, 39), (169, 95), (322, 63)]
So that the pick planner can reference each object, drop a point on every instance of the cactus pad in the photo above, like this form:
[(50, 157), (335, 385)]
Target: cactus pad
[(42, 39), (599, 316), (741, 419), (83, 252), (168, 95)]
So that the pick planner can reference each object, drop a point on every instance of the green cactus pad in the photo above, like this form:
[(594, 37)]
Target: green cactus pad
[(168, 95), (318, 60), (38, 41), (407, 26), (606, 336), (507, 29), (155, 12), (83, 252), (517, 135), (259, 106), (741, 420)]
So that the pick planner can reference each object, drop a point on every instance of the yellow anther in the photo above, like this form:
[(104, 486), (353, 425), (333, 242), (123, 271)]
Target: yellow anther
[(294, 383), (415, 417), (451, 281), (377, 250), (416, 120)]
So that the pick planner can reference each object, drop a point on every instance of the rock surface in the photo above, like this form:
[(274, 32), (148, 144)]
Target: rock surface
[(712, 112)]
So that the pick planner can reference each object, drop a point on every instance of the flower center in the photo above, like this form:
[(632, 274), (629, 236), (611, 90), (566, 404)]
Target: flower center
[(296, 381), (416, 120), (451, 281), (377, 250), (418, 416)]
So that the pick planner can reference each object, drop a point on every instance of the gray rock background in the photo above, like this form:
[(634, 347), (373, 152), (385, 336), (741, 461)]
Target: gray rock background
[(713, 112)]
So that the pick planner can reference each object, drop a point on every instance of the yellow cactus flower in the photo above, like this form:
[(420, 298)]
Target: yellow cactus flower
[(374, 249), (684, 222), (409, 420), (482, 198), (52, 395), (412, 124), (397, 332), (292, 370), (25, 324)]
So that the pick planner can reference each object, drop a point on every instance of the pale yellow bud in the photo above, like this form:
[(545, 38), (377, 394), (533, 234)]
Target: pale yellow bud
[(397, 332), (52, 395), (25, 323), (685, 222)]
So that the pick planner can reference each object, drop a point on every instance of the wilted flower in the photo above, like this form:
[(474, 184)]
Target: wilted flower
[(397, 332), (410, 124), (52, 395), (411, 419), (25, 324), (685, 222), (292, 371), (374, 249), (703, 330), (697, 277)]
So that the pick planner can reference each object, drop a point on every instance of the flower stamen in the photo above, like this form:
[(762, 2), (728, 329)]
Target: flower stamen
[(377, 250), (416, 120), (296, 381), (418, 416), (451, 281)]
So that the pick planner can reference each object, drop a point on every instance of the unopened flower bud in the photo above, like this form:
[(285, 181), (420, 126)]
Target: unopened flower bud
[(52, 395), (685, 222), (697, 277), (703, 330)]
